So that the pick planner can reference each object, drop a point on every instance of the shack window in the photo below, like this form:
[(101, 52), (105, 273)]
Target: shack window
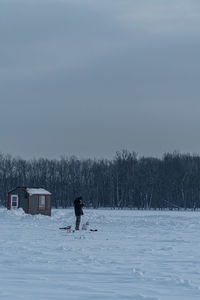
[(14, 201), (42, 202)]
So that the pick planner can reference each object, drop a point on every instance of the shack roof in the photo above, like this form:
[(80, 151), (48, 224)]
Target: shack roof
[(32, 190), (37, 191)]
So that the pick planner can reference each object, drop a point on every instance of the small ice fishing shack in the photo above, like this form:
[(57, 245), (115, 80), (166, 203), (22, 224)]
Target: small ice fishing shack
[(32, 200)]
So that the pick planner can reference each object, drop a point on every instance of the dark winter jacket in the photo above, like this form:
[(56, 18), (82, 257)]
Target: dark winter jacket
[(78, 207)]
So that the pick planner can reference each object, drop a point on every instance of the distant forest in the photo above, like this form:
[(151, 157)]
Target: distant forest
[(126, 181)]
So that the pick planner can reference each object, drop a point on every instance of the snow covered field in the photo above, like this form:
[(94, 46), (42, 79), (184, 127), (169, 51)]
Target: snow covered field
[(137, 255)]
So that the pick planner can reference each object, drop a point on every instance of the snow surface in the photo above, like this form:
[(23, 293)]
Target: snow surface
[(35, 191), (137, 255)]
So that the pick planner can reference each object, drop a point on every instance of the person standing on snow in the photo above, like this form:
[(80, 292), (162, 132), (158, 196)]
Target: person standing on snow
[(78, 208)]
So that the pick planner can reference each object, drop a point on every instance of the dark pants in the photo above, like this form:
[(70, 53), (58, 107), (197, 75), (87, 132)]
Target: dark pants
[(78, 221)]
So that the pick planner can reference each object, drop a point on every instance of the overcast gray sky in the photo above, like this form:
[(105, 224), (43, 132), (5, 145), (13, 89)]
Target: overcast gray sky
[(90, 77)]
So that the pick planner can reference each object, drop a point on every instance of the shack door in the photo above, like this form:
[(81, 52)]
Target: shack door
[(14, 201)]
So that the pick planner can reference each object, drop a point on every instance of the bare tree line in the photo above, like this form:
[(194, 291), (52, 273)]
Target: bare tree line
[(124, 181)]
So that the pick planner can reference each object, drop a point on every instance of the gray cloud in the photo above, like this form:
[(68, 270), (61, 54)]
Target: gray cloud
[(95, 77)]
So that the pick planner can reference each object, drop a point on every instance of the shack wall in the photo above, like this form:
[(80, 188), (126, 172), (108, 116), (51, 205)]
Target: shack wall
[(23, 199), (34, 205)]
